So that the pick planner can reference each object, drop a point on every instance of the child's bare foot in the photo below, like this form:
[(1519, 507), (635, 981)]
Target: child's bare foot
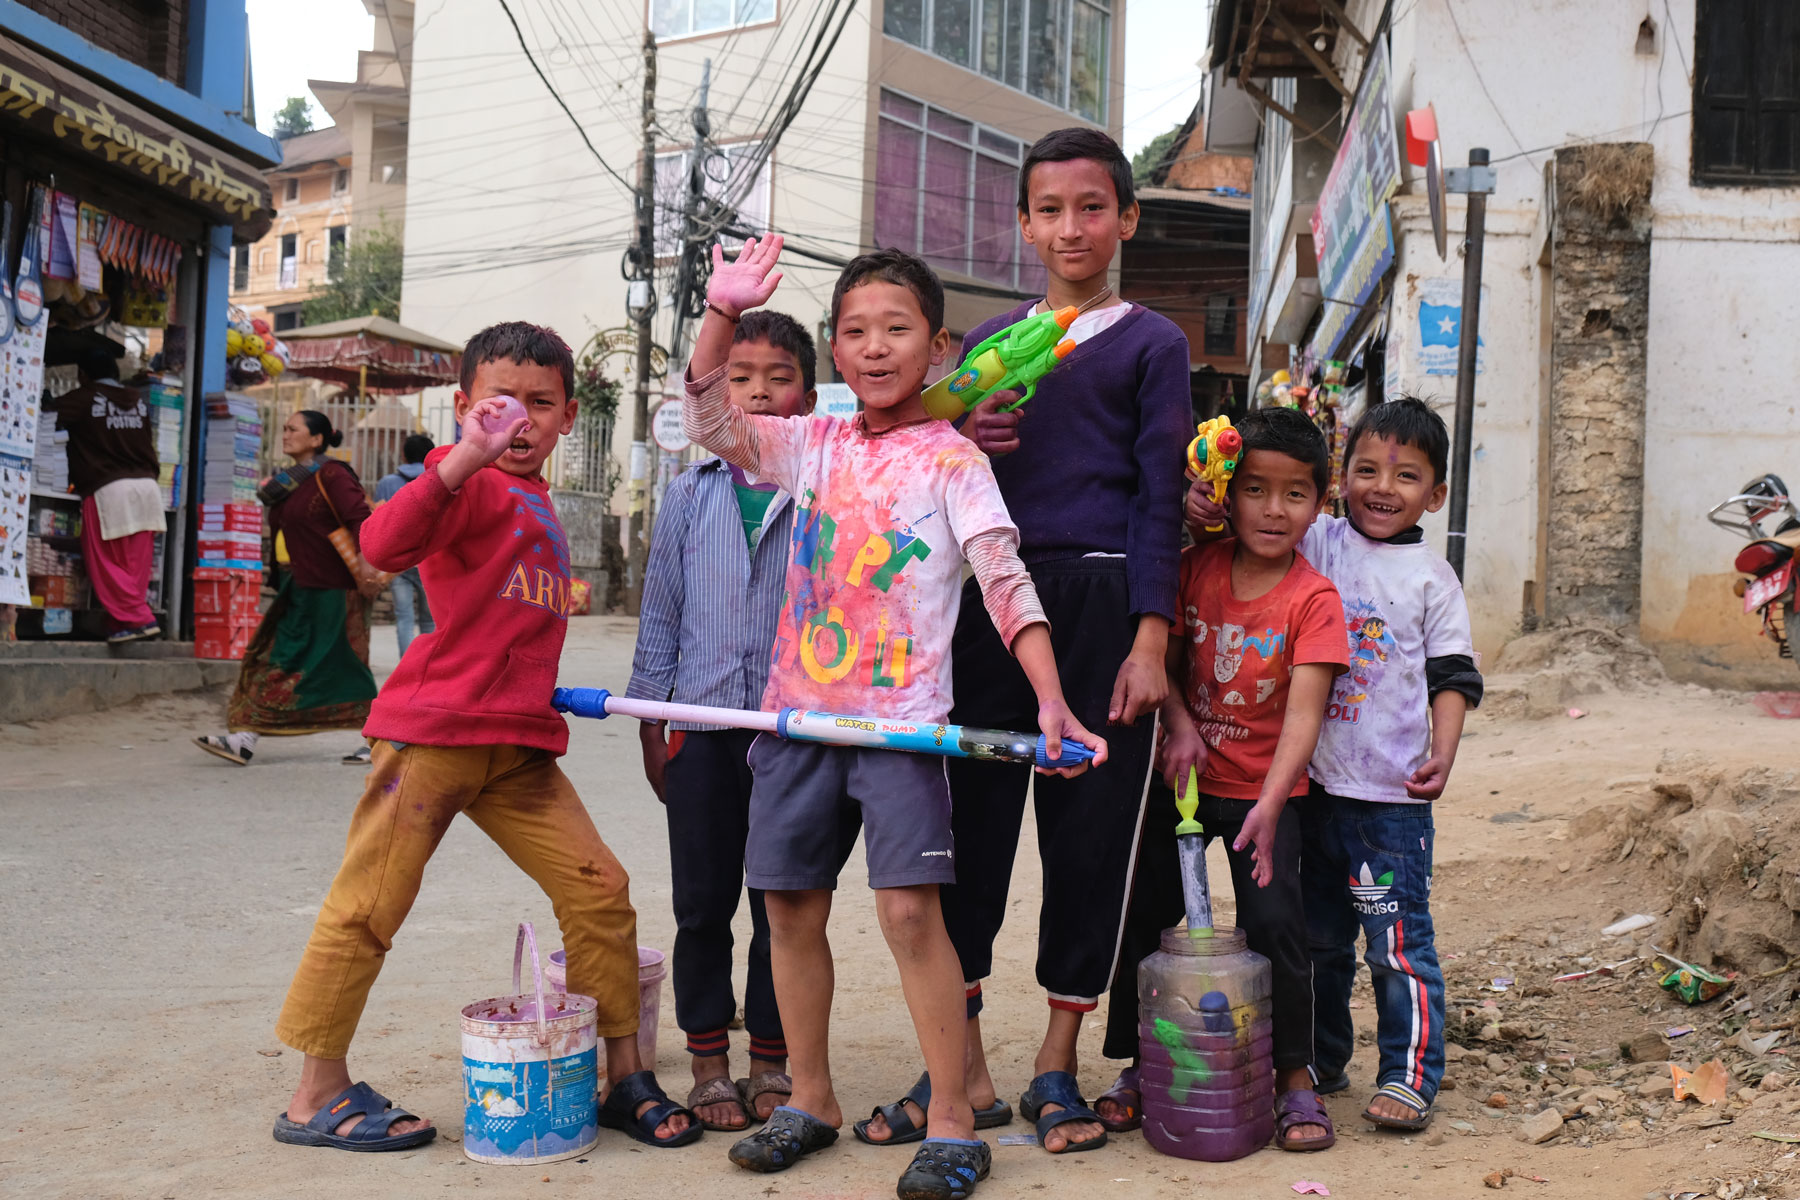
[(982, 1098), (676, 1125), (1393, 1109), (1293, 1090), (715, 1098)]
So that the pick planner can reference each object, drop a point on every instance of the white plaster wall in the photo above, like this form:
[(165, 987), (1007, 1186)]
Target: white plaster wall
[(1720, 403)]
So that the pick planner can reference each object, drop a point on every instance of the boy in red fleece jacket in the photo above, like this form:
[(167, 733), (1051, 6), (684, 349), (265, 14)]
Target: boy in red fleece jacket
[(464, 725)]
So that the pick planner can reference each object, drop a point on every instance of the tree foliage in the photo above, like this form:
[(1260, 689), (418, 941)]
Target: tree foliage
[(365, 279), (294, 117), (1158, 148)]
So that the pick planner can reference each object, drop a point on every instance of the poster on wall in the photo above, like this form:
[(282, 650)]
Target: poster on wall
[(1352, 238), (15, 501), (21, 389), (1437, 330)]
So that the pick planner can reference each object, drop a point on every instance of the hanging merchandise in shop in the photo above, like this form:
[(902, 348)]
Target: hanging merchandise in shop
[(1353, 237), (111, 132)]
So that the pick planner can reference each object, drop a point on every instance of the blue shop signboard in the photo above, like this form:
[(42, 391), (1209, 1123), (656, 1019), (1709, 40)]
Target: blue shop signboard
[(1352, 236)]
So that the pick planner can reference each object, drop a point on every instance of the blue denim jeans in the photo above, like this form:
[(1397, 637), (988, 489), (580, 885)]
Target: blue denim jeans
[(407, 587), (1367, 866)]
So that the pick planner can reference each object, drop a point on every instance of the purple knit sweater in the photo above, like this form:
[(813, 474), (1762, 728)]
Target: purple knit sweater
[(1099, 463)]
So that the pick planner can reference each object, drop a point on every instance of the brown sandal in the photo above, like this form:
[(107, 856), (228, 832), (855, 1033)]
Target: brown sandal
[(718, 1090), (764, 1083)]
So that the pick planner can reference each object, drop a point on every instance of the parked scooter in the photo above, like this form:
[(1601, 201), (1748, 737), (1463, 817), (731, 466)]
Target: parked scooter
[(1768, 562)]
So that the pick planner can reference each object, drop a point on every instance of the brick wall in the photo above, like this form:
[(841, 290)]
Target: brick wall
[(149, 33)]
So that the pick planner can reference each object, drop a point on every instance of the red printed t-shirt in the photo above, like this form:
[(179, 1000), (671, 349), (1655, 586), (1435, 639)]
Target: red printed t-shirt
[(874, 573), (1240, 654), (495, 562)]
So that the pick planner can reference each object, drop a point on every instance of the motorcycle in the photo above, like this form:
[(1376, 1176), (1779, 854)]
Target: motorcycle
[(1768, 562)]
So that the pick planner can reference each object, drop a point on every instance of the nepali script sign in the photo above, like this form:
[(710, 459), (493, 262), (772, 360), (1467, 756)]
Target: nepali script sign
[(1352, 236), (81, 117)]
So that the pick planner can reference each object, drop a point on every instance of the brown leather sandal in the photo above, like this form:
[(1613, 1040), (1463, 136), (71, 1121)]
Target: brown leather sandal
[(718, 1090), (764, 1083)]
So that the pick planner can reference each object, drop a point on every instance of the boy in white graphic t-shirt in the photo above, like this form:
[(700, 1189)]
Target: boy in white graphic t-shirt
[(1385, 752)]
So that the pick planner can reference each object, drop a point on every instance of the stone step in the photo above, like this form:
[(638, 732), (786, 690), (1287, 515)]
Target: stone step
[(43, 688)]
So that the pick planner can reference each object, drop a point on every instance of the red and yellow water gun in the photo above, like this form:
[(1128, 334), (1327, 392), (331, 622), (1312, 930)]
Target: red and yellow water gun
[(1213, 455)]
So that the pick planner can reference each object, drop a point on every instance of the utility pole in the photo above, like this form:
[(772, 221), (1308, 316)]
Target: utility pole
[(695, 265), (1475, 182), (640, 303)]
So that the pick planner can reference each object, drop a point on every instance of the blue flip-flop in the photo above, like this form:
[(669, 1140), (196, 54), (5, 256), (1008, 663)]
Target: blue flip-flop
[(369, 1135), (619, 1111), (1059, 1087)]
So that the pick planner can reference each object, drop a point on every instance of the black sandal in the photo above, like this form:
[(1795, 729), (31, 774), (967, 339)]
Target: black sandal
[(619, 1110), (788, 1136), (900, 1123), (946, 1169)]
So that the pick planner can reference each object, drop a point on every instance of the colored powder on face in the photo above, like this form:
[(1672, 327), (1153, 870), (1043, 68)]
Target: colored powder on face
[(511, 412)]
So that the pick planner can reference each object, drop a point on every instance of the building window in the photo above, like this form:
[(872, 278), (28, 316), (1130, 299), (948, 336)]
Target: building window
[(685, 18), (946, 188), (286, 318), (340, 181), (1747, 92), (290, 269), (290, 192), (240, 267), (337, 238), (1221, 323), (725, 182), (1057, 50)]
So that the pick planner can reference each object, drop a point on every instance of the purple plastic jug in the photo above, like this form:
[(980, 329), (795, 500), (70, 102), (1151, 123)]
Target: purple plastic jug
[(1205, 1031)]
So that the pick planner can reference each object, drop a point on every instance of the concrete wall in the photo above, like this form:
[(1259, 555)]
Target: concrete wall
[(1718, 402)]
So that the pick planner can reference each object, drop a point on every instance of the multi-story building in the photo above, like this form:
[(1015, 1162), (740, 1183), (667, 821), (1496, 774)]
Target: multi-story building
[(312, 190), (1641, 236), (910, 135), (357, 163)]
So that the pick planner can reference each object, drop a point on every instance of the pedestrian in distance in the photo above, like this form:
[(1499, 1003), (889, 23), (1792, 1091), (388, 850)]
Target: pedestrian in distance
[(1091, 472), (1261, 643), (409, 593), (469, 728), (711, 594), (892, 504), (306, 669), (1390, 738)]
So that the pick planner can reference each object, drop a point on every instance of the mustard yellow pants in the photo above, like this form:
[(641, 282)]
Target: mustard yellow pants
[(521, 799)]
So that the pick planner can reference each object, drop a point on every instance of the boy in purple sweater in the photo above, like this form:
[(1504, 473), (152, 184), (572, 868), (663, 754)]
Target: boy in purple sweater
[(1093, 479)]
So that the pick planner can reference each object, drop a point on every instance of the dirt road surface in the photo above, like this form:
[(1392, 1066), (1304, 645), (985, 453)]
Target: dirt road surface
[(155, 901)]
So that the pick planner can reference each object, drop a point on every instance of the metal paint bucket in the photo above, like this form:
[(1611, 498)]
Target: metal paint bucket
[(652, 970), (530, 1072)]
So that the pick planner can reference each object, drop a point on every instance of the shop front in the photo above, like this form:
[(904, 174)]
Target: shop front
[(111, 210)]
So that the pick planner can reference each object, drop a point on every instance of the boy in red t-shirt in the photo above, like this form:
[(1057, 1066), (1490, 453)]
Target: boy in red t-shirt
[(1263, 640), (464, 725)]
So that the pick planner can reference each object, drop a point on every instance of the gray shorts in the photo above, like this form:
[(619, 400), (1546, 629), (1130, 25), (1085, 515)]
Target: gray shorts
[(809, 800)]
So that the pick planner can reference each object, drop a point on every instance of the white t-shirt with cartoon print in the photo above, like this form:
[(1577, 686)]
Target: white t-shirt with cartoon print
[(1402, 605)]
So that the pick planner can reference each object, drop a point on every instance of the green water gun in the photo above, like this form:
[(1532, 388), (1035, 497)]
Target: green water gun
[(1016, 357)]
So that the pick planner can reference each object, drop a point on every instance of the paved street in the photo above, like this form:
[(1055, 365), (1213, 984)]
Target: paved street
[(155, 901)]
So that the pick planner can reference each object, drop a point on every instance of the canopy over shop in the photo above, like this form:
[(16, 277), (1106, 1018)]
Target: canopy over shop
[(117, 190), (374, 360)]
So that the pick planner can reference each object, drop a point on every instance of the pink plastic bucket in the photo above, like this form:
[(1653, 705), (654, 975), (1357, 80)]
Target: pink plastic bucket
[(651, 970)]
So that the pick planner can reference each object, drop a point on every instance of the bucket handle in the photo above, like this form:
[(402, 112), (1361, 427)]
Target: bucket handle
[(528, 934)]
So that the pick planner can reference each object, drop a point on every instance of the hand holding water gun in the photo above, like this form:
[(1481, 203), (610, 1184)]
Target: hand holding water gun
[(1016, 357), (1213, 456)]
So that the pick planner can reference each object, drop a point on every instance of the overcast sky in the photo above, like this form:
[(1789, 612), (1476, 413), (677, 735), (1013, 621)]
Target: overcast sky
[(292, 41)]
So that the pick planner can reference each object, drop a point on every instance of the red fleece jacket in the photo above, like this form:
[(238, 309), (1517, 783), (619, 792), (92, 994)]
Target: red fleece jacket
[(495, 565)]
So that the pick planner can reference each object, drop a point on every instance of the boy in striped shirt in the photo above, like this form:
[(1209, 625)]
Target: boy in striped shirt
[(711, 592)]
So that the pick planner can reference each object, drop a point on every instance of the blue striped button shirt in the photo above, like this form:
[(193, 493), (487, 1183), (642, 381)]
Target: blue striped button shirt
[(707, 622)]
